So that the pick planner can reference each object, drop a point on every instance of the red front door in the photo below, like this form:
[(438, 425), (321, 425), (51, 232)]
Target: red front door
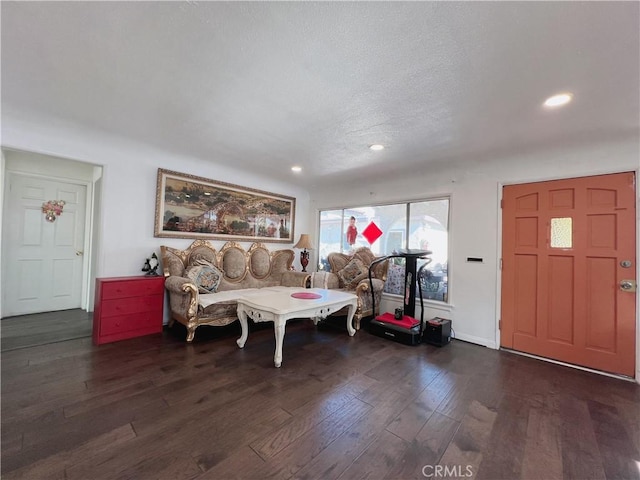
[(568, 272)]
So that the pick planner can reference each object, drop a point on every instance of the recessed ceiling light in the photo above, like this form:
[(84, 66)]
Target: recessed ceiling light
[(296, 169), (376, 147), (558, 100)]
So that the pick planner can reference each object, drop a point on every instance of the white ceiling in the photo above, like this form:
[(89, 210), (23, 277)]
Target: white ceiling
[(266, 85)]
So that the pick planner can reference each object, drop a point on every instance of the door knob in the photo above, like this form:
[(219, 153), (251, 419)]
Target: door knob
[(79, 253), (628, 285)]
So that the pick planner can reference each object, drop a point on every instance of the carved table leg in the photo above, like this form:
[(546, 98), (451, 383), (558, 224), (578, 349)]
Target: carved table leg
[(242, 316), (278, 327), (350, 329)]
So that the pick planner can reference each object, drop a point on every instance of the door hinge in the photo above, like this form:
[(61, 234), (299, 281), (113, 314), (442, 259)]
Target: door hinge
[(502, 203), (500, 264), (499, 324)]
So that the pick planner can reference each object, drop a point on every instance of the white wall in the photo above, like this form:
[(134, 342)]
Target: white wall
[(125, 225), (475, 219)]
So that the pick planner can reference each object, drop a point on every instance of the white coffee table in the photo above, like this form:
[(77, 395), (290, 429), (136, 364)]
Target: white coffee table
[(278, 306)]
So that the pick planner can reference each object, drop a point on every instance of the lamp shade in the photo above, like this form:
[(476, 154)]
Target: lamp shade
[(304, 242)]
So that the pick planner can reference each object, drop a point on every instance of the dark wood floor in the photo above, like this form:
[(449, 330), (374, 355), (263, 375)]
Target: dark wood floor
[(339, 408), (43, 328)]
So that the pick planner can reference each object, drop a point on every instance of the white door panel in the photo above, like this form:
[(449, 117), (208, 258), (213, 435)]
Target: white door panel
[(43, 269)]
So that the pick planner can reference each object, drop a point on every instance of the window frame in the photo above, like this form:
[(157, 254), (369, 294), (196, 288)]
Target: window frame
[(407, 203)]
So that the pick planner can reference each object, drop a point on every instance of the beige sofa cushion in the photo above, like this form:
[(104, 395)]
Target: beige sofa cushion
[(353, 273), (205, 276)]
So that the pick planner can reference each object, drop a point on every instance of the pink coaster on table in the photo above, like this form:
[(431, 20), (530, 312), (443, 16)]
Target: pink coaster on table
[(306, 295)]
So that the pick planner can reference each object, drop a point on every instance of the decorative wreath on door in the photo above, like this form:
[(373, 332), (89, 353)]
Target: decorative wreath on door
[(52, 209)]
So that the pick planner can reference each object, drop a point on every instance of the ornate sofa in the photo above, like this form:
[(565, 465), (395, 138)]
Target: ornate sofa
[(350, 272), (204, 284)]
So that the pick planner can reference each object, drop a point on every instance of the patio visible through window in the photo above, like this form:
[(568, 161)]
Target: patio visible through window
[(416, 225)]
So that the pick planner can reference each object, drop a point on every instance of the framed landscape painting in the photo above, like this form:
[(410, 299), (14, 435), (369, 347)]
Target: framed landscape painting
[(194, 207)]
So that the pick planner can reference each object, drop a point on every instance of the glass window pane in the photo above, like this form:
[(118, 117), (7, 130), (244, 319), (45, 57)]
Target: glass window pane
[(342, 231), (353, 239), (395, 277), (428, 227), (434, 283), (391, 219), (561, 232), (330, 233)]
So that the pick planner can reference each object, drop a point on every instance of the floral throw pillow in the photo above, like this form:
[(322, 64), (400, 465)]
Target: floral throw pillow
[(206, 276), (353, 273)]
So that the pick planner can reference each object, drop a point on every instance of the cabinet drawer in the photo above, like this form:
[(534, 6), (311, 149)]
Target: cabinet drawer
[(127, 323), (132, 288), (126, 306)]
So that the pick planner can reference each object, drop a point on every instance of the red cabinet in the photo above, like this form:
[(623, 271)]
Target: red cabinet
[(127, 307)]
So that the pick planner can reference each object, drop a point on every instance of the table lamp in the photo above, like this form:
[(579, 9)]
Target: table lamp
[(305, 244)]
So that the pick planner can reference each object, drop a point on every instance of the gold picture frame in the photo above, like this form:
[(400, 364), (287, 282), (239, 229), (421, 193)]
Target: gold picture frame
[(188, 206)]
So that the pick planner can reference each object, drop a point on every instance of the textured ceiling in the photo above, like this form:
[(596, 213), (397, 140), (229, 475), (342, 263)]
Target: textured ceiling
[(264, 85)]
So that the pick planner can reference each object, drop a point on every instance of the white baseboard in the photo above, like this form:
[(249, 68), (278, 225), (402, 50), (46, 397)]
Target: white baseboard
[(477, 340)]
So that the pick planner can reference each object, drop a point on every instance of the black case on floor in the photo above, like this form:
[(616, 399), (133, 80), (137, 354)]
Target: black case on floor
[(407, 336), (437, 332)]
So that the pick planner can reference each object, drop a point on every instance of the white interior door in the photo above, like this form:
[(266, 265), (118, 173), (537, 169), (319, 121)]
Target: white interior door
[(43, 259)]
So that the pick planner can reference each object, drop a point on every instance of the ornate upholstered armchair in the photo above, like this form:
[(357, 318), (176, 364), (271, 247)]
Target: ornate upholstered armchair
[(350, 272)]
